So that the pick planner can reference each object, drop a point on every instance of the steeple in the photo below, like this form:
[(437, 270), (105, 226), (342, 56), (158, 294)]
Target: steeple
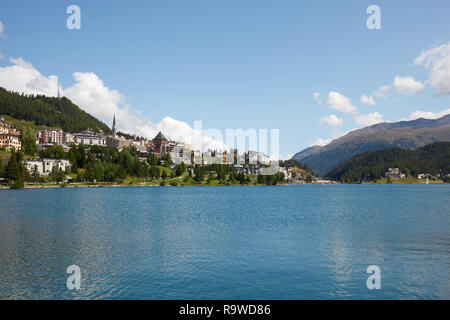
[(114, 125)]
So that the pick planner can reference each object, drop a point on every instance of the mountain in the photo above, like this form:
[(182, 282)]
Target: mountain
[(372, 165), (48, 111), (404, 134)]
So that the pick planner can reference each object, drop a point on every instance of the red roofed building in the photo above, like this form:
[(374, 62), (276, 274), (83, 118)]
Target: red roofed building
[(160, 144)]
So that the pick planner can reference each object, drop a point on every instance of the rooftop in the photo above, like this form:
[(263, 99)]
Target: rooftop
[(160, 136)]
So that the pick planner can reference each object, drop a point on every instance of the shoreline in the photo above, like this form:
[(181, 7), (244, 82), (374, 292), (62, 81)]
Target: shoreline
[(192, 185), (52, 186), (143, 186)]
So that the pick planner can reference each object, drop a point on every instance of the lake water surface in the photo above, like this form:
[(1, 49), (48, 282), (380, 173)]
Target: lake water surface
[(255, 242)]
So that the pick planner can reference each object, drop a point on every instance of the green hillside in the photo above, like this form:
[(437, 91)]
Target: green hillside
[(40, 111), (21, 124), (372, 165)]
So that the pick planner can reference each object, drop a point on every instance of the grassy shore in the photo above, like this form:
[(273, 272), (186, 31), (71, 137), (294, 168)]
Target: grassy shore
[(165, 183), (135, 182)]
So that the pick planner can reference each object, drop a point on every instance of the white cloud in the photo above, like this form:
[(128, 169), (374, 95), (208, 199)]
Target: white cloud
[(332, 121), (427, 114), (319, 142), (340, 102), (317, 98), (368, 100), (407, 85), (21, 76), (437, 61), (90, 93), (366, 120), (403, 85)]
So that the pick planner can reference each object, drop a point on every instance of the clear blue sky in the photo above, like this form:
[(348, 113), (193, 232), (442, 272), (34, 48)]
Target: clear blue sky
[(236, 64)]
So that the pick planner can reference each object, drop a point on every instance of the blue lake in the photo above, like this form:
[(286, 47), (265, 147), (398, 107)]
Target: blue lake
[(255, 242)]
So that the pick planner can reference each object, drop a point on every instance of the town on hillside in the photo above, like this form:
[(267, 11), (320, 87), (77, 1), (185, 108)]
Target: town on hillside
[(52, 155)]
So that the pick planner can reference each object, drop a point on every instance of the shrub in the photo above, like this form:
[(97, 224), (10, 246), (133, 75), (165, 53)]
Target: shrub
[(18, 184)]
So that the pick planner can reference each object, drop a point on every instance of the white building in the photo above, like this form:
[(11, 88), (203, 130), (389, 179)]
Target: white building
[(68, 138), (89, 138), (394, 173), (45, 166), (197, 157), (181, 153), (255, 157), (209, 158)]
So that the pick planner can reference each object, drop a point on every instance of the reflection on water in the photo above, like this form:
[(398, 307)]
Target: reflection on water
[(290, 242)]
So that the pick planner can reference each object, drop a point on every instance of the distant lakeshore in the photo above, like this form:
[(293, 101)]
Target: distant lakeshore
[(77, 185), (167, 184)]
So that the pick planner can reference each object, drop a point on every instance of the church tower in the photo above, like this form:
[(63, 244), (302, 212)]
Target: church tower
[(114, 125)]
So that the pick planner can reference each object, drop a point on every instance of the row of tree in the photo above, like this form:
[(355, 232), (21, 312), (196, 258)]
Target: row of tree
[(271, 179), (107, 164)]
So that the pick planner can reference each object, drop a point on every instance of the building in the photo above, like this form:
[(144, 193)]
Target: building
[(210, 157), (14, 139), (89, 138), (117, 142), (45, 166), (160, 144), (55, 137), (261, 158), (52, 136), (285, 171), (31, 165), (68, 138), (181, 152), (394, 173), (9, 137), (197, 157)]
